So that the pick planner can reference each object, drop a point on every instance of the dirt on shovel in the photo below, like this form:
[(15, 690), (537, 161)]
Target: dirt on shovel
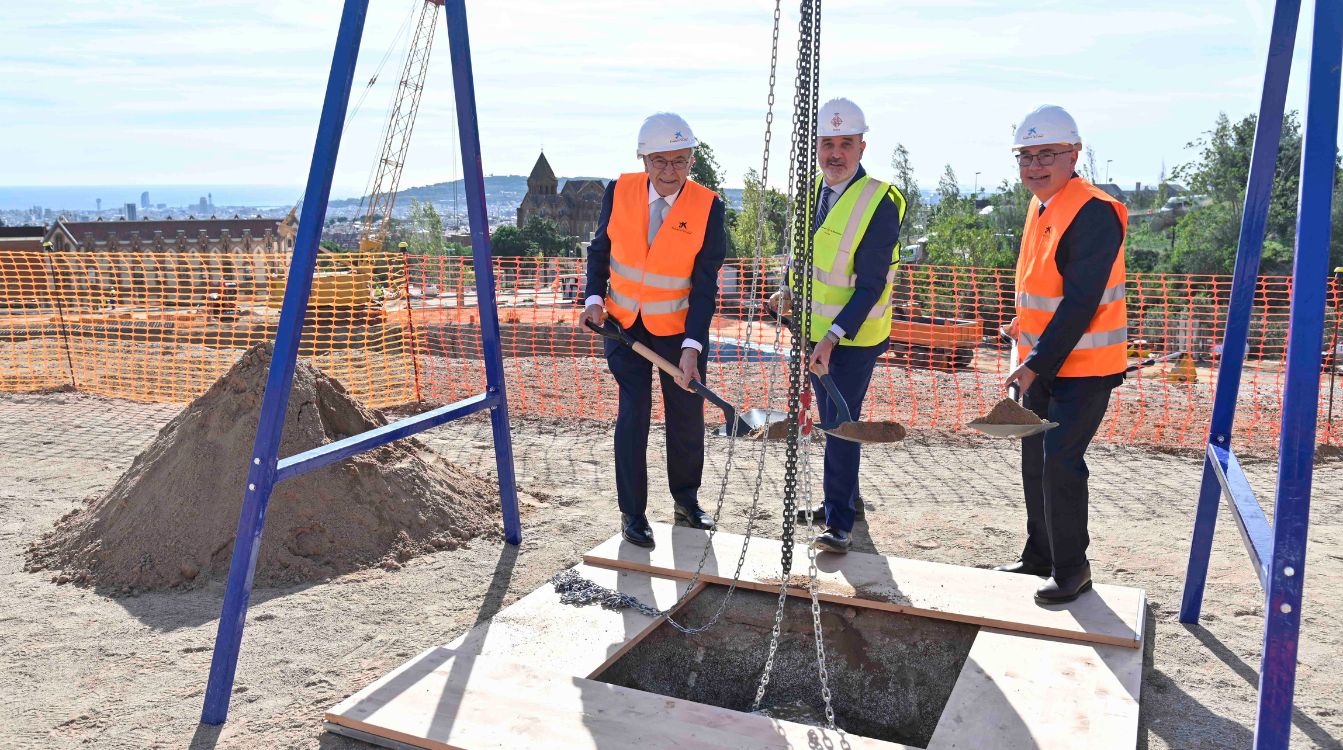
[(1010, 412)]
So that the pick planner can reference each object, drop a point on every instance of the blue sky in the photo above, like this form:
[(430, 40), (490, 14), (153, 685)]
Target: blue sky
[(212, 92)]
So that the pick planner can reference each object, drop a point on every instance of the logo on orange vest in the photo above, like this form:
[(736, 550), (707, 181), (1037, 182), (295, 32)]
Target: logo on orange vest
[(681, 227), (1048, 230)]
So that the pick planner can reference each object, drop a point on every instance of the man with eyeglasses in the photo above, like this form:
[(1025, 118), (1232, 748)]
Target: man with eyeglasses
[(653, 267), (1071, 334), (854, 252)]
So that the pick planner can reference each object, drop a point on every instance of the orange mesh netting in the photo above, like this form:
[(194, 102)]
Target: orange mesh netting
[(163, 326)]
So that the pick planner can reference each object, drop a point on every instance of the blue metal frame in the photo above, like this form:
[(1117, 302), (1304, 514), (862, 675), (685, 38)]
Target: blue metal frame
[(267, 467), (1277, 550)]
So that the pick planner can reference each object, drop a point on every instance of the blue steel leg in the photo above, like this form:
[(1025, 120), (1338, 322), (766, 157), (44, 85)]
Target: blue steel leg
[(261, 474), (474, 178), (1263, 164), (1301, 392)]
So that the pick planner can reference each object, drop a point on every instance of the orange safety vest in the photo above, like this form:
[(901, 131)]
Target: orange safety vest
[(654, 282), (1102, 349)]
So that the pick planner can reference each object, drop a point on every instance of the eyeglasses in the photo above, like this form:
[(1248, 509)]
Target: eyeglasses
[(1044, 158), (658, 163)]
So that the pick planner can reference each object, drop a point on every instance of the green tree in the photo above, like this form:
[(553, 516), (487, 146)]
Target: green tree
[(706, 170), (915, 220), (961, 238), (545, 237), (425, 235), (949, 200), (507, 242), (744, 223)]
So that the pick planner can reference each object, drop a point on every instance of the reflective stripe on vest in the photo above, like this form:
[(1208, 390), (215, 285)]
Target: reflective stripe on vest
[(1101, 350), (1051, 304), (653, 283), (1093, 340), (833, 277), (650, 279), (650, 308)]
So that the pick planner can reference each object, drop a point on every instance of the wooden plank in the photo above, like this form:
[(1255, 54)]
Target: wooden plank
[(539, 630), (507, 704), (1019, 691), (1108, 614)]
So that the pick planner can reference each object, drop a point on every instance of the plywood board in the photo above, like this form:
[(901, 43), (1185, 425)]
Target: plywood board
[(580, 641), (1034, 692), (430, 703), (1108, 614)]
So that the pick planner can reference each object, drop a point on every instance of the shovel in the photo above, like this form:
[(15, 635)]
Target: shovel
[(1019, 421), (734, 424), (843, 426)]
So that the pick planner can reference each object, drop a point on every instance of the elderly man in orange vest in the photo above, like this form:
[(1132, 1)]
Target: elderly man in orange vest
[(653, 267), (1071, 332)]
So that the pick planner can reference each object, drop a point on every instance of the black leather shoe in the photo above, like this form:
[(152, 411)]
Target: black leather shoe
[(636, 530), (1025, 568), (818, 513), (833, 540), (1062, 589), (695, 518)]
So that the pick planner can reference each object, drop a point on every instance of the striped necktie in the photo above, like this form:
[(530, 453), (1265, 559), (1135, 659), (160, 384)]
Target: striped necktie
[(823, 210)]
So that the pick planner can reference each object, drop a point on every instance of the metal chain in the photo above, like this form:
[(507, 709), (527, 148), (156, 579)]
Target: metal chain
[(801, 167), (576, 590)]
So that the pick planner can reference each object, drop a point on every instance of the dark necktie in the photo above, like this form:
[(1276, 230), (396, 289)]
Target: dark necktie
[(1042, 210), (824, 209)]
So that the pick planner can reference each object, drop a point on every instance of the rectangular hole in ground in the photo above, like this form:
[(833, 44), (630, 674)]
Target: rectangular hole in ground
[(890, 674)]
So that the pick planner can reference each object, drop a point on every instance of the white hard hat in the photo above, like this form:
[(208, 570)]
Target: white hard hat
[(1048, 124), (840, 117), (665, 131)]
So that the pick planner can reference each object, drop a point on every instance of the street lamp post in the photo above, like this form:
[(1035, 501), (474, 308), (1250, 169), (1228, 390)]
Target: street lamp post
[(1107, 169), (976, 194)]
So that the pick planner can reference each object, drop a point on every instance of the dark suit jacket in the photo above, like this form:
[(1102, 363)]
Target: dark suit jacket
[(703, 277)]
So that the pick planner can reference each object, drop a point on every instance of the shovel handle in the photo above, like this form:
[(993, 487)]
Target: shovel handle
[(822, 373)]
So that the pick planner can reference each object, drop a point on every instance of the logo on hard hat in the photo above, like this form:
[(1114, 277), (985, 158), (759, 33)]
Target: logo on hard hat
[(677, 137), (1032, 133), (836, 121)]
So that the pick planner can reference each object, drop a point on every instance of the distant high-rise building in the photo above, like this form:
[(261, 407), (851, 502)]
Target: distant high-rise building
[(100, 204), (130, 212), (203, 205), (144, 200), (211, 198)]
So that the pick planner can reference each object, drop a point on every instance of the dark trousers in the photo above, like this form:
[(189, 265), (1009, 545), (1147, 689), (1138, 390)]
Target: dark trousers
[(685, 422), (1054, 469), (851, 368)]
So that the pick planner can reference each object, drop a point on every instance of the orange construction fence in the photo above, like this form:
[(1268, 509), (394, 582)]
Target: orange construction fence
[(397, 329)]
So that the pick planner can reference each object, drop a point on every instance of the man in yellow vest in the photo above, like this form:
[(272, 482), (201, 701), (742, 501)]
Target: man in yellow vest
[(1071, 334), (653, 267), (855, 249)]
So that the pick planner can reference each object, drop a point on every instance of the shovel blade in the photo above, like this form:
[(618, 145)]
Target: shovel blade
[(1013, 430), (752, 421)]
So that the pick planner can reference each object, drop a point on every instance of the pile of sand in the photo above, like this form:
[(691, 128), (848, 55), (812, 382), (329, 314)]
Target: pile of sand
[(1008, 411), (171, 518)]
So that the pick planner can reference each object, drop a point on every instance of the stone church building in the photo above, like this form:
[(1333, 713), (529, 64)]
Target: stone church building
[(575, 209)]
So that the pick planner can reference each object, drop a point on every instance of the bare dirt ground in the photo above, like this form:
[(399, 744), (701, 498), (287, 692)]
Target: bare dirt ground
[(78, 669)]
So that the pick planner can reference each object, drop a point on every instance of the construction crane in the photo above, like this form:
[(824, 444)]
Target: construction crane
[(348, 295), (396, 136)]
